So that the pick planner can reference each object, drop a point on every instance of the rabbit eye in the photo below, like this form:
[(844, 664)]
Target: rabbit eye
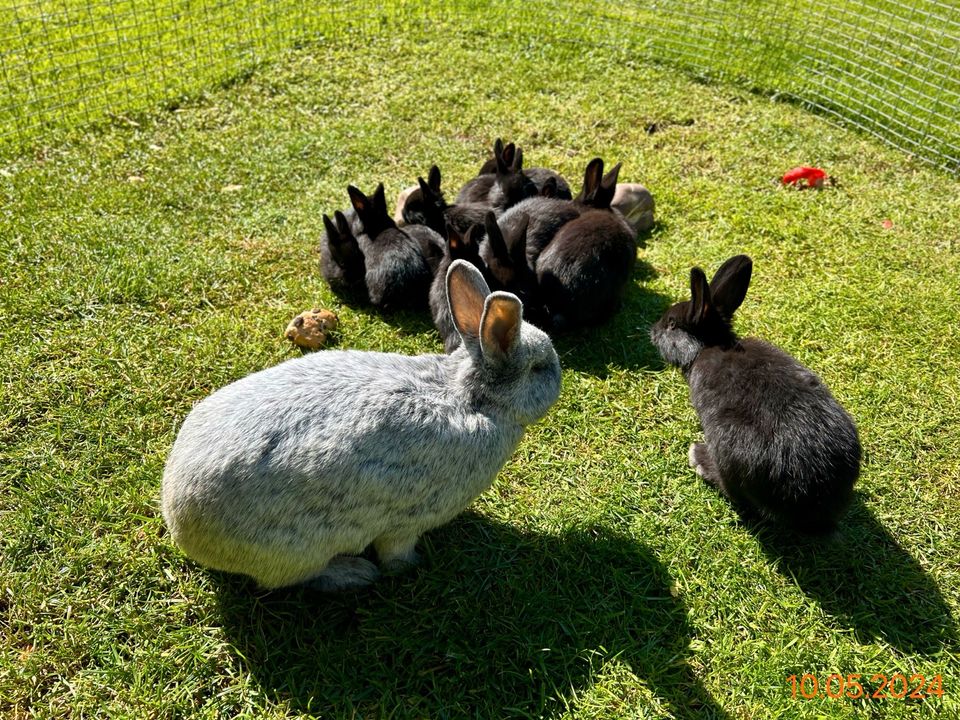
[(671, 324)]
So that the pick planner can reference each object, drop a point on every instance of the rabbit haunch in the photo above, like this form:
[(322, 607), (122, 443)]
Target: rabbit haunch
[(280, 474)]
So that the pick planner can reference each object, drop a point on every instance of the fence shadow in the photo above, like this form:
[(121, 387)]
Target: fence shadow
[(866, 580), (500, 624)]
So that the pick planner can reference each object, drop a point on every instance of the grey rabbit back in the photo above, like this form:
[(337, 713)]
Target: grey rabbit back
[(776, 441), (286, 473)]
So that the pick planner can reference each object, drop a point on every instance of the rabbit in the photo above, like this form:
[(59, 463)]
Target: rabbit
[(458, 247), (341, 260), (635, 203), (776, 442), (543, 216), (397, 273), (426, 206), (583, 271), (507, 186), (431, 244), (504, 254), (478, 189), (286, 474)]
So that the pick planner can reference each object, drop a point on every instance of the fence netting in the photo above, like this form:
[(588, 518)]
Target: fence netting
[(887, 67)]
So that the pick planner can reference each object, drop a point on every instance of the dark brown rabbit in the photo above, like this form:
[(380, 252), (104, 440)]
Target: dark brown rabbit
[(459, 246), (427, 206)]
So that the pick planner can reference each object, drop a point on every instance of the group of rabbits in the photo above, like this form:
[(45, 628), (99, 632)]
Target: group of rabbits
[(567, 258), (289, 474)]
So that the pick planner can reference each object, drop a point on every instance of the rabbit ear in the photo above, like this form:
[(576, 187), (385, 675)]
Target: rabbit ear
[(343, 245), (729, 285), (518, 241), (433, 179), (466, 293), (592, 177), (517, 164), (549, 189), (472, 238), (342, 225), (500, 325), (450, 232), (332, 232), (608, 187), (380, 199), (495, 238), (700, 296), (505, 159), (426, 191), (361, 203), (497, 148), (456, 242)]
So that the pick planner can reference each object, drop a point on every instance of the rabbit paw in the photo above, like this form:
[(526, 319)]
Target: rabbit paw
[(398, 566), (396, 554), (344, 573), (702, 463)]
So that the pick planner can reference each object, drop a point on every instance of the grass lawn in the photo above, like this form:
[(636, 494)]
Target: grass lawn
[(886, 66), (145, 266)]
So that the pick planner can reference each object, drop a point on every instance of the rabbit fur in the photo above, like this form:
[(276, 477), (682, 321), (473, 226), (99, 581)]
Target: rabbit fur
[(777, 443), (426, 206), (397, 273), (459, 246), (478, 189), (583, 271), (504, 253), (287, 473), (341, 260)]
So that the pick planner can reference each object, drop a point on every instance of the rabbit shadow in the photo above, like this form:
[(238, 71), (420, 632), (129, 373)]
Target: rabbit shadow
[(407, 321), (502, 624), (863, 577), (624, 341)]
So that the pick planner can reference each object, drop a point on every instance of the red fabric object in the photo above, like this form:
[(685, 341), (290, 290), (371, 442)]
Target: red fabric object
[(814, 177)]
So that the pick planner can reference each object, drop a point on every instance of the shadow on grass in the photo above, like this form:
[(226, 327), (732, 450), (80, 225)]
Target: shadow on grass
[(624, 341), (865, 579), (499, 624)]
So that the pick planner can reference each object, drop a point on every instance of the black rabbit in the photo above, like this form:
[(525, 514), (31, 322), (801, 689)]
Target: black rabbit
[(341, 260), (397, 273), (505, 255), (776, 441), (478, 189), (543, 216), (585, 267), (427, 206)]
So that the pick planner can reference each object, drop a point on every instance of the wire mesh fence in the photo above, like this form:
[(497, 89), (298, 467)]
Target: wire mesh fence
[(886, 67)]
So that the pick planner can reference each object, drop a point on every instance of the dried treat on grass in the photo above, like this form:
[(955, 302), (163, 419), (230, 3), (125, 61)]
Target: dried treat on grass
[(311, 328)]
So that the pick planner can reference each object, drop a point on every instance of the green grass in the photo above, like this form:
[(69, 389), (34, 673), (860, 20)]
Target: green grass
[(884, 66), (598, 578)]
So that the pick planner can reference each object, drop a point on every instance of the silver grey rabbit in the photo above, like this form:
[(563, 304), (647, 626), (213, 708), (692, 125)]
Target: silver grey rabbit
[(777, 443), (289, 472)]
